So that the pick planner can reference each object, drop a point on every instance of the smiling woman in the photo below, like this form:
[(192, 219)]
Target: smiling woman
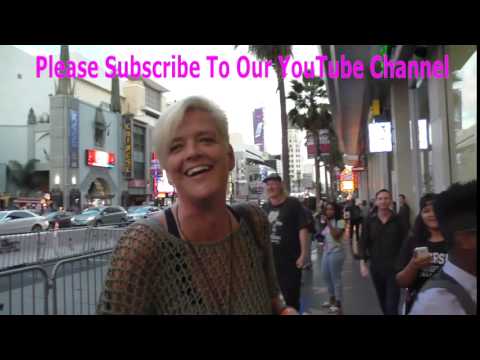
[(200, 256)]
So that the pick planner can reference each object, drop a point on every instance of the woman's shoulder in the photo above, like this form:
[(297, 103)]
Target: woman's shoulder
[(144, 236)]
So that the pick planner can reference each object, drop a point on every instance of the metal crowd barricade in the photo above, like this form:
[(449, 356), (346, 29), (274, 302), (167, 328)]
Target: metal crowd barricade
[(24, 291), (35, 248), (77, 283), (82, 259)]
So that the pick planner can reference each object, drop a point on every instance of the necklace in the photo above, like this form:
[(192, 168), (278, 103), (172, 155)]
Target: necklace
[(213, 289)]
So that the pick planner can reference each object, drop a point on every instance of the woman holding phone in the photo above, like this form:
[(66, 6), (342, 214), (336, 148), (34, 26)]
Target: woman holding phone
[(423, 253), (333, 256)]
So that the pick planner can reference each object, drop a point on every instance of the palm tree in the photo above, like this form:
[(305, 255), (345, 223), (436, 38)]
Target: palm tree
[(313, 115), (310, 114), (271, 53), (22, 176), (335, 161)]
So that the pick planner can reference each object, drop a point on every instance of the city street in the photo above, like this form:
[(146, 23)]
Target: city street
[(359, 293)]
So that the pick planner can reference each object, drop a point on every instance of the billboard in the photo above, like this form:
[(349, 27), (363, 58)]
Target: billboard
[(73, 139), (258, 128), (310, 146), (380, 137), (324, 141)]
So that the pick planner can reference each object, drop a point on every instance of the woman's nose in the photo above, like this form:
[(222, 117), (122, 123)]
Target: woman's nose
[(192, 150)]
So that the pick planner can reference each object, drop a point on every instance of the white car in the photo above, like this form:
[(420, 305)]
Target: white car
[(21, 221)]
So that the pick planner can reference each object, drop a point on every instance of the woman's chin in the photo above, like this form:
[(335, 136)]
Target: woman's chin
[(201, 193)]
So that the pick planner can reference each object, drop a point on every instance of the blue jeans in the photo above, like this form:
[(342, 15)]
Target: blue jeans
[(332, 264)]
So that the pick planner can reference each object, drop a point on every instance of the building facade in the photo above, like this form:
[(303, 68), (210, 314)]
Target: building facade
[(296, 142), (433, 121), (93, 143)]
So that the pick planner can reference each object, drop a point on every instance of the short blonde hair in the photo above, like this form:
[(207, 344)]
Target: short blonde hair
[(173, 116)]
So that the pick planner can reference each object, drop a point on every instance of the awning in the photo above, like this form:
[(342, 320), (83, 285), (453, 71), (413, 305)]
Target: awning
[(350, 99)]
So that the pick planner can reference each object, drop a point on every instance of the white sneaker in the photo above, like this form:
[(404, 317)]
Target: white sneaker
[(334, 309), (327, 304)]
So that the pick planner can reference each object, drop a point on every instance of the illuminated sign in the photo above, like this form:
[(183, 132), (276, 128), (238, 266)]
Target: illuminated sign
[(380, 137), (376, 108), (100, 158), (346, 186), (423, 142), (163, 186)]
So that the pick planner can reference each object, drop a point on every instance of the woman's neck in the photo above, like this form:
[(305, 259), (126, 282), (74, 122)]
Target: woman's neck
[(207, 221), (436, 235)]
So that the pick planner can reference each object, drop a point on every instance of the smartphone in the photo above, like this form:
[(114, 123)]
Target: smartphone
[(422, 251)]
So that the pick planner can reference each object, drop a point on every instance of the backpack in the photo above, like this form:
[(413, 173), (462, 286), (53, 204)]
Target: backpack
[(443, 281)]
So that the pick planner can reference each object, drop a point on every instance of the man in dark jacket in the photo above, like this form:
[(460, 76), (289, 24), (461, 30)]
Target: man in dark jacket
[(404, 212), (382, 237)]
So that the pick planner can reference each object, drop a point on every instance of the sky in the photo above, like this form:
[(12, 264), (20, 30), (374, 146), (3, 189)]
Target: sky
[(238, 97)]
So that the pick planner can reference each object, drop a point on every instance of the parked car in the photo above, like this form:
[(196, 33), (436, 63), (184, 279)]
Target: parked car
[(63, 218), (100, 216), (21, 221), (141, 212)]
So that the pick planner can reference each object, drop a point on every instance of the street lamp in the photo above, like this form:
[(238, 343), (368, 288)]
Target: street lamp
[(57, 180)]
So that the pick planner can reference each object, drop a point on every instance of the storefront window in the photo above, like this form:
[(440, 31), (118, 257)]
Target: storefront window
[(462, 101)]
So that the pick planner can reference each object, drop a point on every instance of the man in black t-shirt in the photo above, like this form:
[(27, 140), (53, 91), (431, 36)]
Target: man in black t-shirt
[(289, 236)]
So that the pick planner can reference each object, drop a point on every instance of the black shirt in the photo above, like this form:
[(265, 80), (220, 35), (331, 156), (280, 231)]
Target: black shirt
[(286, 220), (381, 243)]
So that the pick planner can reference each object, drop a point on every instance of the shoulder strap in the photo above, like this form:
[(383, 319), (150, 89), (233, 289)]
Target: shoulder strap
[(172, 225), (445, 281), (249, 213)]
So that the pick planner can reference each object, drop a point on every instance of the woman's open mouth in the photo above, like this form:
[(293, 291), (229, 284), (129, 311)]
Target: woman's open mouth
[(197, 170)]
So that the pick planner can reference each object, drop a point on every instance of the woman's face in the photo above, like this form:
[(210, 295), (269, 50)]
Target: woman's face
[(330, 211), (198, 160), (428, 217)]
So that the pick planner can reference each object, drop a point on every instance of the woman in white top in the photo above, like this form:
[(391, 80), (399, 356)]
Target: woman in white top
[(333, 256)]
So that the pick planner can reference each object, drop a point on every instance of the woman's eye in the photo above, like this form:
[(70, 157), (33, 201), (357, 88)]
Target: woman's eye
[(175, 147), (207, 140)]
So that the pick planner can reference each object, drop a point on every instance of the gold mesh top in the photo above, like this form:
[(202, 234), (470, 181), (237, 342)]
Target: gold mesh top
[(154, 272)]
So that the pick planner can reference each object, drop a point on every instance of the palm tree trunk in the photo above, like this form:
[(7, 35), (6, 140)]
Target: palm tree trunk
[(283, 111), (318, 185), (333, 182)]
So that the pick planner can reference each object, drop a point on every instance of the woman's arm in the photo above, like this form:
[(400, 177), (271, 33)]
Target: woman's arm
[(407, 276), (335, 232)]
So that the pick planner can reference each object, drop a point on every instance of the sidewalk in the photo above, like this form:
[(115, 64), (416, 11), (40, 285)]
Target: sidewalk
[(359, 293)]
